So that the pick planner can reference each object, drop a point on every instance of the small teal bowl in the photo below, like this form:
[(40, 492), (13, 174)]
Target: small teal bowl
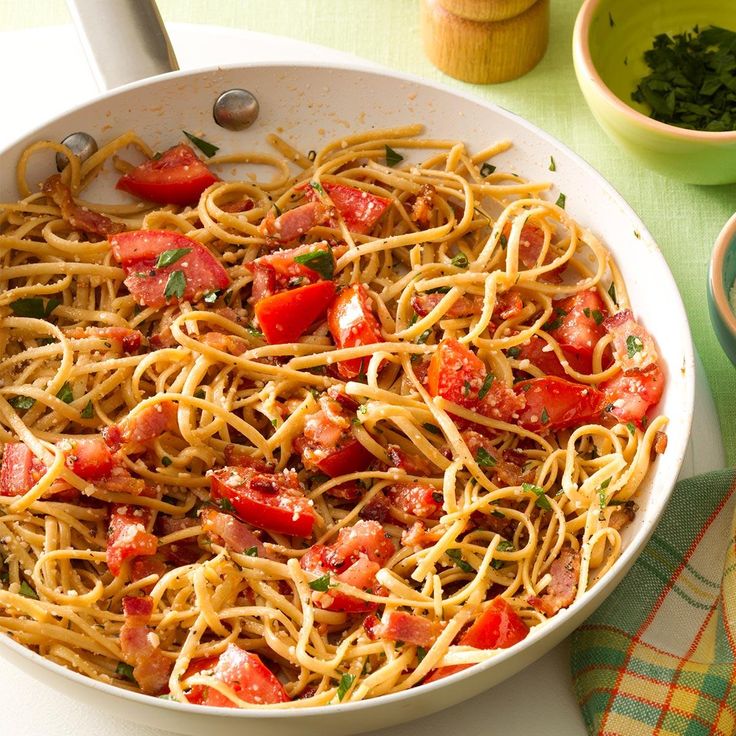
[(721, 280)]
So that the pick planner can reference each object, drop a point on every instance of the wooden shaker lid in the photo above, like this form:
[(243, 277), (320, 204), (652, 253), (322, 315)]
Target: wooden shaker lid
[(485, 51)]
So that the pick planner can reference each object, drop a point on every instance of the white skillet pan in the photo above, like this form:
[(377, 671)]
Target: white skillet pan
[(308, 105)]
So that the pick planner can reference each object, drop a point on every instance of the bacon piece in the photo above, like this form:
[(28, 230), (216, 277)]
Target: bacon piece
[(508, 304), (80, 218), (184, 552), (560, 592), (142, 567), (465, 306), (295, 222), (421, 209), (531, 241), (633, 346), (121, 481), (230, 344), (622, 515), (410, 463), (401, 626), (660, 443), (121, 338), (419, 536), (504, 472), (416, 499), (137, 430), (236, 535), (237, 205), (140, 647), (240, 456), (349, 491), (376, 510), (127, 536)]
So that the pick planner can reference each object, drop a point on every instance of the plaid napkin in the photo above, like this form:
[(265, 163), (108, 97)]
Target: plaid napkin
[(658, 658)]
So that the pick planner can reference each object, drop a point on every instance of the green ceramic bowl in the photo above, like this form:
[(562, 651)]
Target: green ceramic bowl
[(721, 279), (609, 41)]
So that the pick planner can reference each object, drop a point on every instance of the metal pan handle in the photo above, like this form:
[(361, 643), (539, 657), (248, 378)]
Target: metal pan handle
[(124, 40)]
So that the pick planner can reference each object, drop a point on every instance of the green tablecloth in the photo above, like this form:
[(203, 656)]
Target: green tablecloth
[(683, 219)]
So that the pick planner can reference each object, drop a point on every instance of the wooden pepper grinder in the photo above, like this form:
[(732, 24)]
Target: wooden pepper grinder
[(485, 41)]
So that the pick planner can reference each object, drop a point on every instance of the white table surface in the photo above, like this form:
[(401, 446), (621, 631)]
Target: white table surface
[(28, 708)]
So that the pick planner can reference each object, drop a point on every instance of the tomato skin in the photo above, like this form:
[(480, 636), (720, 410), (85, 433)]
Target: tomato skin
[(359, 209), (89, 459), (286, 316), (417, 499), (178, 176), (266, 500), (127, 536), (351, 458), (137, 252), (456, 374), (352, 322), (547, 362), (631, 394), (248, 677), (579, 330), (198, 693), (498, 627), (567, 404)]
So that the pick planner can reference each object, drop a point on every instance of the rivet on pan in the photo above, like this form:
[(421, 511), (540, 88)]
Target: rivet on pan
[(81, 144), (235, 109)]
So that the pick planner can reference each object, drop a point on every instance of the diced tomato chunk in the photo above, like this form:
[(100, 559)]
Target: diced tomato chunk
[(20, 469), (178, 176), (271, 501), (354, 558), (352, 323), (456, 374), (359, 209), (280, 270), (537, 351), (127, 536), (248, 677), (578, 325), (554, 403), (198, 693), (498, 627), (286, 316), (188, 277), (88, 458)]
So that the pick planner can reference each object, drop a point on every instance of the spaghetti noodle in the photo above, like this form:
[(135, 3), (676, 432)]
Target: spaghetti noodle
[(357, 419)]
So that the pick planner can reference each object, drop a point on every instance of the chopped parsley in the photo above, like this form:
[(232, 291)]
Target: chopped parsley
[(545, 415), (484, 458), (432, 428), (323, 583), (598, 316), (317, 187), (22, 402), (251, 552), (487, 169), (199, 393), (125, 671), (602, 492), (561, 201), (88, 412), (424, 336), (634, 345), (552, 164), (346, 682), (457, 557), (168, 257), (486, 387), (166, 461), (207, 148), (503, 546), (439, 290), (542, 501), (392, 157), (630, 426), (225, 504), (34, 307), (421, 654), (466, 388), (460, 260), (253, 330), (65, 393), (612, 292), (27, 592), (320, 261), (514, 352), (692, 82), (175, 285)]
